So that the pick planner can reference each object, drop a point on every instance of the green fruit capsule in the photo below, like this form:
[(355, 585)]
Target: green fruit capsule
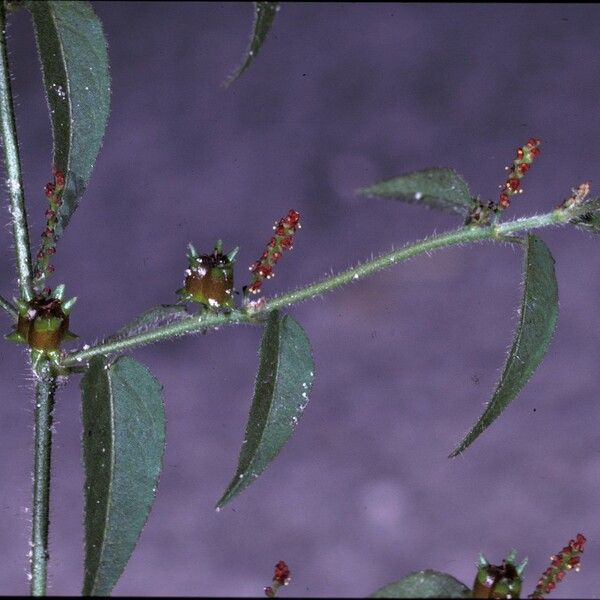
[(209, 278), (498, 581), (43, 323)]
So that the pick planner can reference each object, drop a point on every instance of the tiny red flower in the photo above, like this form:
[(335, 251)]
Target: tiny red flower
[(520, 166), (53, 192), (282, 573), (568, 558), (283, 240), (280, 577), (59, 178)]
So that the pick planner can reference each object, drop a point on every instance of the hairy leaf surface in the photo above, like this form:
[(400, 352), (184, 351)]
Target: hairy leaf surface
[(123, 444), (538, 314), (425, 584), (283, 384), (72, 51), (439, 188), (153, 317)]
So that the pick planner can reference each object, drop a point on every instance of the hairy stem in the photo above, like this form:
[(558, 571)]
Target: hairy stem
[(44, 405), (203, 322), (13, 168)]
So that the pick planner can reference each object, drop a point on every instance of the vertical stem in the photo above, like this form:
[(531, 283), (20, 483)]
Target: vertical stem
[(12, 164), (44, 405)]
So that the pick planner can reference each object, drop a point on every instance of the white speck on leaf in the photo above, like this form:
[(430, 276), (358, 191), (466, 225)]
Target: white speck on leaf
[(60, 92)]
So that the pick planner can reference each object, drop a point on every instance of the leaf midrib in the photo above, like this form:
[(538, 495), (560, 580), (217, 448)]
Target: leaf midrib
[(111, 479)]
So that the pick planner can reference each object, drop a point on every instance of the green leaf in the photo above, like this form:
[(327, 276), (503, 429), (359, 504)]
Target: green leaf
[(123, 444), (154, 317), (439, 188), (264, 15), (72, 51), (537, 321), (589, 221), (425, 584), (283, 384)]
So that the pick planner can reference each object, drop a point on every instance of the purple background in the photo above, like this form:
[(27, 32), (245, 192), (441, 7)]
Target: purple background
[(341, 96)]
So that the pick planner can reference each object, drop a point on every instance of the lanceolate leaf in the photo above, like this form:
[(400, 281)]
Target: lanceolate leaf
[(72, 51), (439, 188), (425, 584), (538, 313), (123, 443), (154, 317), (283, 384), (264, 15)]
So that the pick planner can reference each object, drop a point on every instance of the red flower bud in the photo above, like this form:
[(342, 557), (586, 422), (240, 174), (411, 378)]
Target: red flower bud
[(59, 178)]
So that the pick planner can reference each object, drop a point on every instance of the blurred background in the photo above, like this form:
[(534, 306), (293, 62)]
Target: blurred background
[(341, 96)]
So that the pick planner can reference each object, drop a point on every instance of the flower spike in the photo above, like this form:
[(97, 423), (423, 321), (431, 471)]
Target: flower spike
[(283, 240), (568, 558), (53, 192), (281, 577), (522, 163)]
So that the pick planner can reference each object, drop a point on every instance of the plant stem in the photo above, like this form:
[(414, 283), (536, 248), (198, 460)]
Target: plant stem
[(8, 307), (12, 163), (44, 405), (462, 235)]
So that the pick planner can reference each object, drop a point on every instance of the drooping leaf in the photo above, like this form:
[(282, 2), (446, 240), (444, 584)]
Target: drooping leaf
[(283, 384), (72, 51), (425, 584), (439, 188), (264, 15), (537, 321), (154, 317), (123, 444)]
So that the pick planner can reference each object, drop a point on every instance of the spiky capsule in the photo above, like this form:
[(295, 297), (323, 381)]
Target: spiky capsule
[(209, 278), (43, 323), (499, 581)]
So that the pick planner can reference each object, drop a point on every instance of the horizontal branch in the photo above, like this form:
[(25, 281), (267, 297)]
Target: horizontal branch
[(195, 324)]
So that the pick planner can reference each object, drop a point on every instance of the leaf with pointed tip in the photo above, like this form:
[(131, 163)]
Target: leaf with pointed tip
[(424, 584), (589, 221), (283, 384), (439, 188), (72, 51), (538, 313), (123, 444), (264, 15), (154, 317)]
